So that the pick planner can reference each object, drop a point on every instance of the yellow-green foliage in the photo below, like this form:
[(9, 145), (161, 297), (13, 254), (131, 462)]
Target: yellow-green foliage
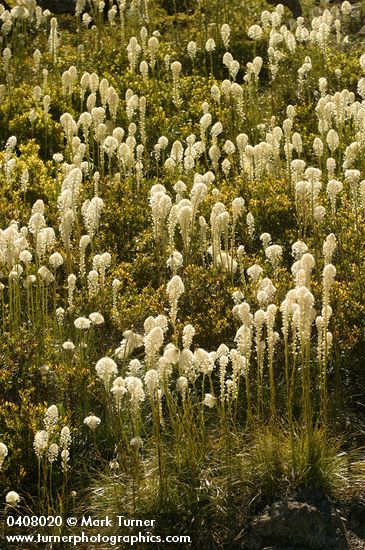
[(228, 426)]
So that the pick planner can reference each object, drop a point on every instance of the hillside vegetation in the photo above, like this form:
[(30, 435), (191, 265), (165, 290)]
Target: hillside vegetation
[(182, 203)]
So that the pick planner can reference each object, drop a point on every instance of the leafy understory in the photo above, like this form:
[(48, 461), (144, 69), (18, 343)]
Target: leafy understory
[(182, 202)]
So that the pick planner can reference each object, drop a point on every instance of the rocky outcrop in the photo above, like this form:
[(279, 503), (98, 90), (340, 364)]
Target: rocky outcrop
[(294, 525), (356, 517)]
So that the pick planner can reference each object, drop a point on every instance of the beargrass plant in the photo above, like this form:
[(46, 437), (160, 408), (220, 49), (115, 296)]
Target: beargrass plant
[(180, 261), (227, 484)]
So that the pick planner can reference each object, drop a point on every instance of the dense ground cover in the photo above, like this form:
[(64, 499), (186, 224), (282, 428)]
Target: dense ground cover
[(182, 264)]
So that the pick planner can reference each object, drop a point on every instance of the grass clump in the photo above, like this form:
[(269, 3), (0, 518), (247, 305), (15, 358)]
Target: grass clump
[(182, 278)]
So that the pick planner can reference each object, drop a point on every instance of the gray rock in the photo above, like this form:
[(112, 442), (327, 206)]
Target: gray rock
[(357, 517), (293, 525)]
